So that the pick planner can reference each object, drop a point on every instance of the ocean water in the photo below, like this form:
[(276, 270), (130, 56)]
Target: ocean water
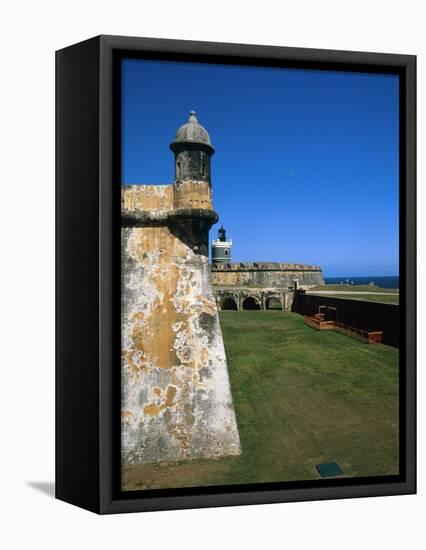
[(383, 282)]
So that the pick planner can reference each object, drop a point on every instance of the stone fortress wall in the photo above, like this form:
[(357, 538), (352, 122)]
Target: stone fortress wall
[(176, 396), (176, 399), (262, 285), (267, 274)]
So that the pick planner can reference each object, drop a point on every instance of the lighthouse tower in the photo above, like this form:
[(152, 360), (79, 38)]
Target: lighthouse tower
[(221, 248)]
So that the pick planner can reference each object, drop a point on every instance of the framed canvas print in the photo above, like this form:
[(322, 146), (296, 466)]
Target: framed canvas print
[(235, 274)]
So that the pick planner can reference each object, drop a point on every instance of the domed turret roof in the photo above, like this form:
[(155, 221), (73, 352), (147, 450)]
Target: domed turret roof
[(192, 132)]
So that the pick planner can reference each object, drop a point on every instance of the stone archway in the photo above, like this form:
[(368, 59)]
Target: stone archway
[(273, 302), (250, 303), (228, 303)]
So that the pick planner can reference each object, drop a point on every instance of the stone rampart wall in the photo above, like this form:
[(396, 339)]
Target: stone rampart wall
[(271, 275), (176, 398)]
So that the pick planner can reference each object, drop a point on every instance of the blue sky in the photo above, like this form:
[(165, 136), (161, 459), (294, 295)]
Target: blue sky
[(306, 163)]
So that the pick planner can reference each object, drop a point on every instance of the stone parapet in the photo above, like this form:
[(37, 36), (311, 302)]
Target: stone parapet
[(266, 275)]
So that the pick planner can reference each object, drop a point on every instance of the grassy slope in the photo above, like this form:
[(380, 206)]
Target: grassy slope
[(301, 397), (355, 288)]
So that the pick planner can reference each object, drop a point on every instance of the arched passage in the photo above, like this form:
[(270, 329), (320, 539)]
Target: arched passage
[(229, 303), (273, 303), (251, 303)]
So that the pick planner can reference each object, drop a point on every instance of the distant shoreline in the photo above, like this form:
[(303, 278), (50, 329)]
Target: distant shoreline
[(382, 281)]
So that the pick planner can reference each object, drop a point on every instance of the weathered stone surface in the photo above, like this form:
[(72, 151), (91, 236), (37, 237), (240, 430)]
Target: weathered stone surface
[(266, 275), (193, 150), (176, 399), (192, 194), (234, 297)]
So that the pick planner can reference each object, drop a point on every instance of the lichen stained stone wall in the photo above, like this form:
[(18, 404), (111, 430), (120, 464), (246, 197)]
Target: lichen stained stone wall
[(264, 274), (176, 397)]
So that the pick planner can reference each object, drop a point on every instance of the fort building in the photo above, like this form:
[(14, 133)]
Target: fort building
[(176, 397), (256, 285)]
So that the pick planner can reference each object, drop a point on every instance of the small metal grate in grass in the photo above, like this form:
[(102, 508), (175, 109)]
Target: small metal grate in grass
[(329, 469)]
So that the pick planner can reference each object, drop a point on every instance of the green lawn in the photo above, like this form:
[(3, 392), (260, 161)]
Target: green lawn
[(392, 298), (301, 397), (355, 288)]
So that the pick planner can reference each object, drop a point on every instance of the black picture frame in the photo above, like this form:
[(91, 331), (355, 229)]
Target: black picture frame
[(87, 274)]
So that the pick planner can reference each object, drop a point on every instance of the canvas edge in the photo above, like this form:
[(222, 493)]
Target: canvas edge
[(108, 501)]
